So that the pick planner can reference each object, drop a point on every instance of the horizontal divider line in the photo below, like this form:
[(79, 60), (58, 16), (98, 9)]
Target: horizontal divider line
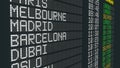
[(68, 3), (45, 32), (74, 64), (46, 20)]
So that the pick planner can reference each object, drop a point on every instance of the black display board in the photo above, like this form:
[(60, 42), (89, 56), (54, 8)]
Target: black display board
[(45, 33)]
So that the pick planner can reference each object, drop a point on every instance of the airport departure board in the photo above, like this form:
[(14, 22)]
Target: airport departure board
[(46, 33)]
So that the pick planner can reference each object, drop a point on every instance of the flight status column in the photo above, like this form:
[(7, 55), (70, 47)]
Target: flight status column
[(45, 33), (93, 33), (108, 21)]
